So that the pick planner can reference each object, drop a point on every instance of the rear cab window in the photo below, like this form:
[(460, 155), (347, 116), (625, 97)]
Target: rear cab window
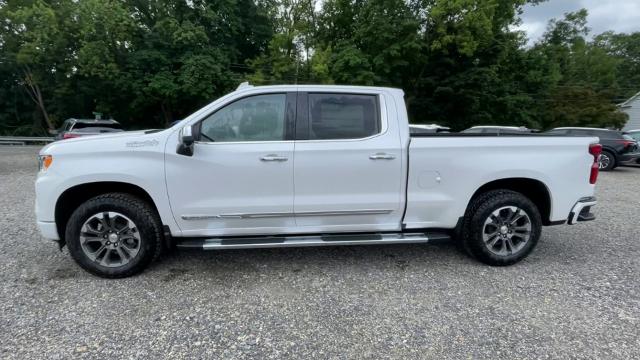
[(336, 116)]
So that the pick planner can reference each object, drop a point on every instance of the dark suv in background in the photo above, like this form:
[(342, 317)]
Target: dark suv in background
[(616, 147)]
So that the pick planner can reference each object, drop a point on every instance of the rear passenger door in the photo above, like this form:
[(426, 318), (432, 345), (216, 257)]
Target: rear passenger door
[(347, 167)]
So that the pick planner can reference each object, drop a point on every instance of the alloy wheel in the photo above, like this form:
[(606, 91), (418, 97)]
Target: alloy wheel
[(507, 230), (604, 161), (109, 238)]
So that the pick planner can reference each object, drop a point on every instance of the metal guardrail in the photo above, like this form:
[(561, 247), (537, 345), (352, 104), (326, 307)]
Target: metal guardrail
[(24, 140)]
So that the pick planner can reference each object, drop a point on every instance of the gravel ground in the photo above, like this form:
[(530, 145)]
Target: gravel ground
[(576, 296)]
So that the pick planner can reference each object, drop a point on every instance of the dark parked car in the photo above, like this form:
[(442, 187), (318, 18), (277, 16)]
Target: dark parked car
[(72, 128), (616, 147), (635, 135)]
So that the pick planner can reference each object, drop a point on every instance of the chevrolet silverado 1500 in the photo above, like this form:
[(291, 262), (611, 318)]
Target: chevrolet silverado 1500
[(279, 166)]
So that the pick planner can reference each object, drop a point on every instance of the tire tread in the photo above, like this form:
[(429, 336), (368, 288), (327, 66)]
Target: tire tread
[(483, 203), (141, 208)]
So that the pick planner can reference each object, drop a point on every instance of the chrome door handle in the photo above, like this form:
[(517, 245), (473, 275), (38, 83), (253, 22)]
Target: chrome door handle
[(273, 157), (382, 156)]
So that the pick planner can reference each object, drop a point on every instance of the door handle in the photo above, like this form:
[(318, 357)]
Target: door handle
[(382, 156), (273, 157)]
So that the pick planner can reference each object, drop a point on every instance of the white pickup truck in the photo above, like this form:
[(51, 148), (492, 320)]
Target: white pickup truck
[(279, 166)]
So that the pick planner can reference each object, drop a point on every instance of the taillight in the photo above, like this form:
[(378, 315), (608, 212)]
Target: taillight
[(595, 150), (70, 136), (626, 143)]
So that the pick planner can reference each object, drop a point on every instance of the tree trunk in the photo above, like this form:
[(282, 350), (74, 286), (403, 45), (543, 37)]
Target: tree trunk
[(167, 114), (33, 89)]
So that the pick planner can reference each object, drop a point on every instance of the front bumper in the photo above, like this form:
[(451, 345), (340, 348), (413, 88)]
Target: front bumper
[(581, 211), (48, 230)]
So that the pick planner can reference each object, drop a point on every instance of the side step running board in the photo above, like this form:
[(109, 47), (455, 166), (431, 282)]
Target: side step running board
[(308, 240)]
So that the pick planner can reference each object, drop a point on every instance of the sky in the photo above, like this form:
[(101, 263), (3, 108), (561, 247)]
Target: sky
[(616, 15)]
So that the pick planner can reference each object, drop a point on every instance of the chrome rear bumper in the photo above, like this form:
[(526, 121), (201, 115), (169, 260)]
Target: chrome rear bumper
[(582, 210)]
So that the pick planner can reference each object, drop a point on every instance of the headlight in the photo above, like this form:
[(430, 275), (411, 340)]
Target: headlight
[(44, 161)]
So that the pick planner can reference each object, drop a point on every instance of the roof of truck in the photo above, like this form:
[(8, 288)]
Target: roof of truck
[(498, 127), (246, 85), (579, 128)]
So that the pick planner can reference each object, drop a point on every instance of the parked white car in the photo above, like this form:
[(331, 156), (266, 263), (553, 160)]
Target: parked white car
[(499, 130), (427, 128), (280, 166)]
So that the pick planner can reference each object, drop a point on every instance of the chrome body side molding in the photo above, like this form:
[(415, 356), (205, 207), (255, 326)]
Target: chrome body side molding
[(287, 214)]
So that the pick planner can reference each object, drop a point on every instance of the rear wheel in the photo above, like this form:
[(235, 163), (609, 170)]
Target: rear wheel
[(114, 235), (607, 161), (501, 227)]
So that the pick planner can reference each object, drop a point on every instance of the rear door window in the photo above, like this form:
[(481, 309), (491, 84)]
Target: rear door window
[(474, 131), (343, 116), (581, 132), (85, 125), (608, 134), (558, 132)]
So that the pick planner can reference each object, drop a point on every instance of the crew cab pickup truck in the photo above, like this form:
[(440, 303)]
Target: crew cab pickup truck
[(280, 166)]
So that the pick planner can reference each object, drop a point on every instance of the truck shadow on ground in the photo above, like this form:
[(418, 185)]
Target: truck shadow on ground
[(244, 261), (230, 265), (443, 256)]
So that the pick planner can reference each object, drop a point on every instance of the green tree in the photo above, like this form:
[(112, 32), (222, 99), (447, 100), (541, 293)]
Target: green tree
[(626, 49), (34, 39), (586, 81), (473, 70), (288, 56), (460, 62)]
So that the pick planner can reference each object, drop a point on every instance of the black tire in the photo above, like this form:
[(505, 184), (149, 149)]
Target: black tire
[(612, 163), (480, 210), (147, 226)]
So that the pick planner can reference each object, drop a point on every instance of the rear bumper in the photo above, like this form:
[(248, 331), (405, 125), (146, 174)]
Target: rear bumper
[(48, 230), (581, 211)]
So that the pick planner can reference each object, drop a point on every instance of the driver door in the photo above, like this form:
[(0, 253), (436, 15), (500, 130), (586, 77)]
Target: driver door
[(239, 180)]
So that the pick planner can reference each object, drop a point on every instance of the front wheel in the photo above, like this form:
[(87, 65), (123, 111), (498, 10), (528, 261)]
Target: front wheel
[(114, 235), (501, 227)]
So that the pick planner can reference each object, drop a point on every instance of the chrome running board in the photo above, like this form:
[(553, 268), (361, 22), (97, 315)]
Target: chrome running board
[(258, 242)]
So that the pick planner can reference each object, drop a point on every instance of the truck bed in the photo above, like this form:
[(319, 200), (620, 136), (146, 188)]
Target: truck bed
[(446, 169)]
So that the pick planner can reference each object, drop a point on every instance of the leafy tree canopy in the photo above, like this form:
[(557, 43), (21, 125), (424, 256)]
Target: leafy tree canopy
[(460, 62)]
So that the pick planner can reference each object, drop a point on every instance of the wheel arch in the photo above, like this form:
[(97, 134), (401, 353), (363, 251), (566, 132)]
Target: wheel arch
[(613, 152), (74, 196), (533, 189)]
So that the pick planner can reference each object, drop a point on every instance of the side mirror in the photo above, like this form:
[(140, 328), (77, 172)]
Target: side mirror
[(185, 146)]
